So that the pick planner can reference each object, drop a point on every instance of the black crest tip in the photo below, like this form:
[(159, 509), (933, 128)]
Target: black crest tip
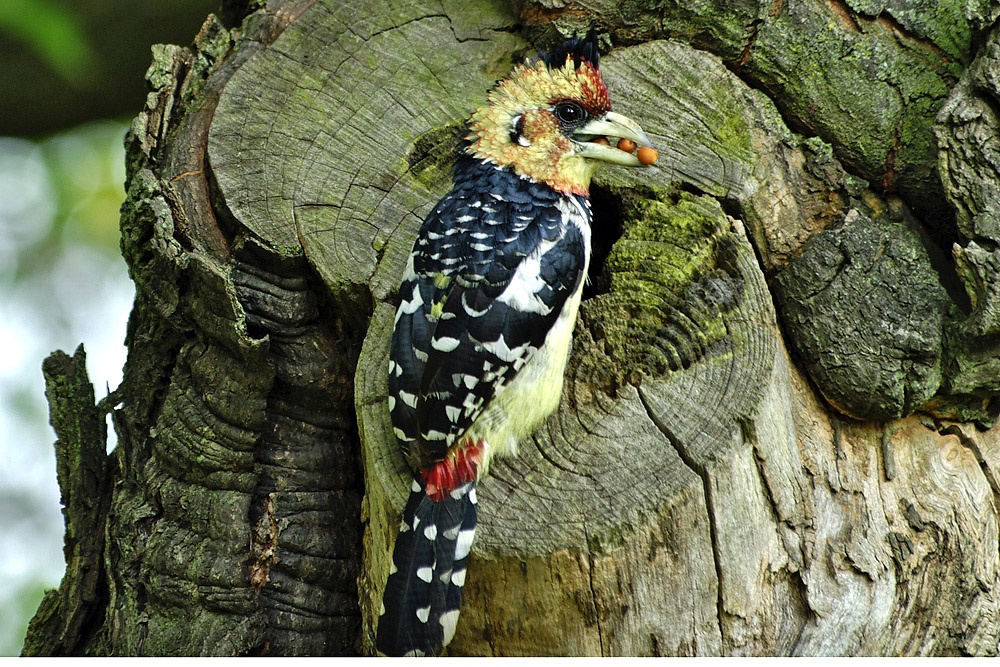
[(579, 49)]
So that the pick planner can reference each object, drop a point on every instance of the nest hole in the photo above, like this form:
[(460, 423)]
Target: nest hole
[(607, 227)]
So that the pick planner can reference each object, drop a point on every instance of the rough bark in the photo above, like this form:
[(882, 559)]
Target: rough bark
[(775, 434), (67, 616)]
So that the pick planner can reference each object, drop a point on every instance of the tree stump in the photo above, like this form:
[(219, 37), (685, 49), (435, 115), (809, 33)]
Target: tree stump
[(775, 433)]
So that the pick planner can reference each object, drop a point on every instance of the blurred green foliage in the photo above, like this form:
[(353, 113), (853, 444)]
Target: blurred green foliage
[(22, 605), (62, 281), (53, 31), (66, 62)]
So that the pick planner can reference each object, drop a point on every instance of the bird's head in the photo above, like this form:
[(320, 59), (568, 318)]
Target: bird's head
[(550, 120)]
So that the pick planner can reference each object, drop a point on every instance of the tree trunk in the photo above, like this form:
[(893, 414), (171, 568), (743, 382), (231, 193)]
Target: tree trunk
[(775, 433)]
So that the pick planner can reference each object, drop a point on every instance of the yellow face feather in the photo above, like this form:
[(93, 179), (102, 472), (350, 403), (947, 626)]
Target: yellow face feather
[(522, 105)]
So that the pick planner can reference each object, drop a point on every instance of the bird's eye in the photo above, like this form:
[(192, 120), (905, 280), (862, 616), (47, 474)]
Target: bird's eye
[(570, 112)]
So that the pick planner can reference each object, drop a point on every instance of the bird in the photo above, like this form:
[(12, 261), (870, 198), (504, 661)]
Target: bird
[(487, 305)]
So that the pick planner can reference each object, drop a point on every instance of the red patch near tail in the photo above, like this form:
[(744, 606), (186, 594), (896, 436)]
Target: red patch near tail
[(457, 468)]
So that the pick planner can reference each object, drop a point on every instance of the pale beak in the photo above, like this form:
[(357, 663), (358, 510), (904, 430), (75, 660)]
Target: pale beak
[(613, 126)]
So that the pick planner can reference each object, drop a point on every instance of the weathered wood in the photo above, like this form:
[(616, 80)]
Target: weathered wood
[(967, 131), (232, 468), (865, 302), (878, 558), (866, 77), (67, 617)]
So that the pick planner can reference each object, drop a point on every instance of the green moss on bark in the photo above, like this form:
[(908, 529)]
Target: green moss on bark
[(645, 320)]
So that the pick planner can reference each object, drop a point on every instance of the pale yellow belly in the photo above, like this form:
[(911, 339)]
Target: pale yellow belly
[(532, 395)]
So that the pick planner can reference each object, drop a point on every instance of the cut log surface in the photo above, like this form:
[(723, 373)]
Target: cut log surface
[(691, 495)]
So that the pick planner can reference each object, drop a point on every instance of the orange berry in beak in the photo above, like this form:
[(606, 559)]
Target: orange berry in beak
[(647, 155), (626, 145)]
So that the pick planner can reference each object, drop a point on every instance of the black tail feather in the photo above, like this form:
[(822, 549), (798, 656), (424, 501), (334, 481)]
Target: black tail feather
[(467, 532), (424, 590)]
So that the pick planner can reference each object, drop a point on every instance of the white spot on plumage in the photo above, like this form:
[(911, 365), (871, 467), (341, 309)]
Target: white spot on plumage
[(449, 621), (425, 574), (431, 434), (470, 381), (408, 398), (415, 487), (452, 533), (522, 292), (458, 578), (392, 403), (423, 613), (431, 532), (462, 219), (472, 496), (500, 348), (392, 568), (453, 413), (401, 435), (415, 653), (408, 272), (470, 311), (463, 545), (444, 344), (413, 304), (381, 610)]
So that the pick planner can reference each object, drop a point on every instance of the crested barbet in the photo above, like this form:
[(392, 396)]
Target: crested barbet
[(487, 305)]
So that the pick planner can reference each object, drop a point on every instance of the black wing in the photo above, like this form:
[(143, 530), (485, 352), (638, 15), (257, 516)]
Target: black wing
[(492, 267)]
